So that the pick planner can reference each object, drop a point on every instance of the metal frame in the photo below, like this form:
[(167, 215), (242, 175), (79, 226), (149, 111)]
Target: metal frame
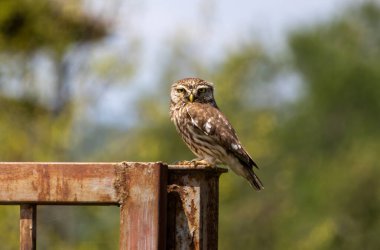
[(161, 206)]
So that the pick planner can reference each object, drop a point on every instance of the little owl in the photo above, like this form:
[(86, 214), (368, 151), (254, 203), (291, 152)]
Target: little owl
[(206, 131)]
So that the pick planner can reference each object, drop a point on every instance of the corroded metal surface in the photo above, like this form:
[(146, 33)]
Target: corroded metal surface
[(177, 207), (139, 189), (143, 210), (28, 226), (193, 207), (55, 183)]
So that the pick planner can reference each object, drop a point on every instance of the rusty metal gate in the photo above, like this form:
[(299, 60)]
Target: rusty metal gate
[(161, 206)]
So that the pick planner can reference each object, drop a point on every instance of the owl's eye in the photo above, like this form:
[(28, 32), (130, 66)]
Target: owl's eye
[(202, 90), (181, 90)]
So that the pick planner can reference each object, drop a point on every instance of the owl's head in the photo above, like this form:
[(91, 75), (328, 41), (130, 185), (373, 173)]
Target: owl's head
[(192, 90)]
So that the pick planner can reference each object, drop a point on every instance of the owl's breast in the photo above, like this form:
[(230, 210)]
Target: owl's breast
[(179, 118)]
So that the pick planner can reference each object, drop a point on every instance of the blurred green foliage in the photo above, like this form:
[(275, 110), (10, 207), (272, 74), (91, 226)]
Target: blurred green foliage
[(318, 154), (29, 25), (30, 131)]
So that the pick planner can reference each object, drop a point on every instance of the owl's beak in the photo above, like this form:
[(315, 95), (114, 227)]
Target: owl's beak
[(191, 97)]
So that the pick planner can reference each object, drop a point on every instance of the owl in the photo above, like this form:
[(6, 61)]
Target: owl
[(206, 130)]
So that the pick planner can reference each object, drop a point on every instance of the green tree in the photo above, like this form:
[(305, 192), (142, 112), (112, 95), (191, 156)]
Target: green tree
[(337, 134), (322, 192), (29, 130)]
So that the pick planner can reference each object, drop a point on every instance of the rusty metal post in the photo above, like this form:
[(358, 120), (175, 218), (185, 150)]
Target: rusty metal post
[(28, 225), (193, 197), (142, 197)]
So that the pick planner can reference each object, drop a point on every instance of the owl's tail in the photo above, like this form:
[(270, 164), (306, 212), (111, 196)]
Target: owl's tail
[(254, 180), (245, 169)]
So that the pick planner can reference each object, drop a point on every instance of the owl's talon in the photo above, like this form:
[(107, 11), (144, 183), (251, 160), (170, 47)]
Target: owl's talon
[(197, 162), (183, 163)]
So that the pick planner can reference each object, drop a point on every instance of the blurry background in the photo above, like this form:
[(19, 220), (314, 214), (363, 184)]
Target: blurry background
[(299, 80)]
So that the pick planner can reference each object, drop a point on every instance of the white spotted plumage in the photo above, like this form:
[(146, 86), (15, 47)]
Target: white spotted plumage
[(208, 125)]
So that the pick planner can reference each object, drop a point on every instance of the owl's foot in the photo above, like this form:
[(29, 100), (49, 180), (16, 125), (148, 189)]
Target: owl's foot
[(198, 162), (195, 163), (182, 163)]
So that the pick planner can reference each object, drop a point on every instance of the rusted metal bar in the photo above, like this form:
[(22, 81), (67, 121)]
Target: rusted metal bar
[(28, 226), (193, 196), (63, 183), (143, 207), (58, 183)]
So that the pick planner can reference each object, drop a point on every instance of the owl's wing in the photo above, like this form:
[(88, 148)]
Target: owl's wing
[(210, 121)]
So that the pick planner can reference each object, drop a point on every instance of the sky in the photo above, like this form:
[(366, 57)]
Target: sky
[(211, 27), (221, 23)]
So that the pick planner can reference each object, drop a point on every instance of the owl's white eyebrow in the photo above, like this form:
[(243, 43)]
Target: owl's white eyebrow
[(182, 87), (203, 87)]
